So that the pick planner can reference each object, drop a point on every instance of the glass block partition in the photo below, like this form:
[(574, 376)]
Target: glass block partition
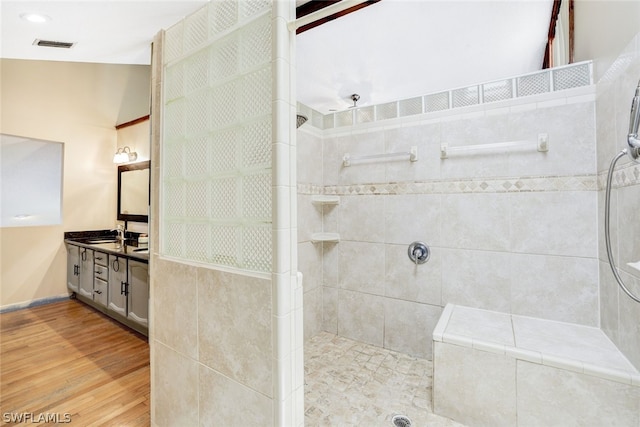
[(555, 79), (215, 201)]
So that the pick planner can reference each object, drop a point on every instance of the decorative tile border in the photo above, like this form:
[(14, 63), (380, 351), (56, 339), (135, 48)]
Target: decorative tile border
[(626, 176), (489, 185)]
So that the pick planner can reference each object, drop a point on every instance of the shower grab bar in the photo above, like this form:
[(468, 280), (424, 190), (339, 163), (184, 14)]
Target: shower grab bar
[(413, 156), (542, 145)]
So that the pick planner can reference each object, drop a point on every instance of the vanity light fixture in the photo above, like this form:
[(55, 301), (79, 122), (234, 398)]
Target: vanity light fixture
[(124, 155)]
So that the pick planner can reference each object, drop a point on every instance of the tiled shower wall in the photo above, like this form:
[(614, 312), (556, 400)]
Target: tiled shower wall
[(516, 231), (620, 316), (511, 230)]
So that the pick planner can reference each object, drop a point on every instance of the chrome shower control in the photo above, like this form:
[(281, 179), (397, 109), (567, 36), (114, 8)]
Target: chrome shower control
[(419, 252)]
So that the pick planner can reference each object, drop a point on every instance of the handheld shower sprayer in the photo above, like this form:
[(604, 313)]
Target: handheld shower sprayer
[(634, 152), (634, 124)]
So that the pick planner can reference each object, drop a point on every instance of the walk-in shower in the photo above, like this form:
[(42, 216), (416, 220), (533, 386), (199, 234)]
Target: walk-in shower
[(634, 152)]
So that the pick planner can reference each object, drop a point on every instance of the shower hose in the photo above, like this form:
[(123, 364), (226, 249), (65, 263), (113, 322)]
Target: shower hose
[(607, 236)]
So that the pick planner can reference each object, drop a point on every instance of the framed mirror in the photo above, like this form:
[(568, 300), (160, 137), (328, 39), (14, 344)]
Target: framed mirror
[(133, 192)]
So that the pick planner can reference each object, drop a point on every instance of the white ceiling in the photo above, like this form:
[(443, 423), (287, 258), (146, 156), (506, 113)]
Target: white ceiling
[(391, 50), (113, 31), (396, 49)]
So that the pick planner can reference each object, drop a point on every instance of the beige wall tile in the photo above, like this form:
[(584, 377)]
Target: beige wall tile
[(361, 317), (361, 267), (555, 223), (479, 279), (474, 387), (408, 326), (234, 327), (312, 313), (175, 306), (550, 396), (555, 288), (476, 221), (361, 218), (175, 387), (330, 309), (224, 401)]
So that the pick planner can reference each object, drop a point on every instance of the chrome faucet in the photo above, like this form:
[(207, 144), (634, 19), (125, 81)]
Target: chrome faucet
[(120, 229)]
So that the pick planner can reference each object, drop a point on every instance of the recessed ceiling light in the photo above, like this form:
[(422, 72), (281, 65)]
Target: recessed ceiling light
[(35, 17)]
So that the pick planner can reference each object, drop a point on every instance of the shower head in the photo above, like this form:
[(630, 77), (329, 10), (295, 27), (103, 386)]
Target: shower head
[(300, 120), (634, 124)]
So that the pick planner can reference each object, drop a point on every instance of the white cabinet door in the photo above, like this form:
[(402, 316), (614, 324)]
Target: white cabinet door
[(73, 267), (117, 284), (138, 298), (86, 273)]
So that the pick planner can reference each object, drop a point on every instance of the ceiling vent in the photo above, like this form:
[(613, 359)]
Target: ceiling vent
[(51, 43)]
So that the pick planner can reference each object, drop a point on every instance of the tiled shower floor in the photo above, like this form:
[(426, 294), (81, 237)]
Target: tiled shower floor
[(348, 383)]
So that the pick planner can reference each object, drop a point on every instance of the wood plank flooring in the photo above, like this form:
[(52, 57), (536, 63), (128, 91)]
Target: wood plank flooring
[(66, 358)]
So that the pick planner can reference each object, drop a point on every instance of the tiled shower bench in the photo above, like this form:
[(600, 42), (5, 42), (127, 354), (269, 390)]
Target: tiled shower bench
[(498, 369)]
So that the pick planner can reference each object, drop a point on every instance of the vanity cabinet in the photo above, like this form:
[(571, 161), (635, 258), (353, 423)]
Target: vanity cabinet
[(73, 268), (129, 289), (85, 287), (138, 292), (115, 282), (101, 275)]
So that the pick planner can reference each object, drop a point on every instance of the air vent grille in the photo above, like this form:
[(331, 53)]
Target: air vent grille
[(51, 43)]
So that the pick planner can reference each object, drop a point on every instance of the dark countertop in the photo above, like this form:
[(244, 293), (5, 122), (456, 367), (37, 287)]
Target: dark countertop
[(106, 241)]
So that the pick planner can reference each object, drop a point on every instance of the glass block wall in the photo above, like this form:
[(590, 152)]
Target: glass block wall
[(216, 156), (545, 81)]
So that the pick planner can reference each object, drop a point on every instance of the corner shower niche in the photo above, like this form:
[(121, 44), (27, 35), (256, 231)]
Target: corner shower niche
[(322, 201)]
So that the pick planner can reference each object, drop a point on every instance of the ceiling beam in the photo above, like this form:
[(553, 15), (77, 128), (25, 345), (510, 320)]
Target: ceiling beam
[(548, 51), (316, 5)]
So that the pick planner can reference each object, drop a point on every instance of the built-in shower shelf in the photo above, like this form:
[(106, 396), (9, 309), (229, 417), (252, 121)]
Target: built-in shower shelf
[(325, 200), (325, 237)]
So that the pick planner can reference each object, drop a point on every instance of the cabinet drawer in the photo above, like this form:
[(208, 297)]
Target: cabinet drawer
[(101, 272), (100, 258), (100, 291)]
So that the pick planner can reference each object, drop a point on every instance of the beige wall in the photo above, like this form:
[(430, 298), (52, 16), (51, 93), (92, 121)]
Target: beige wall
[(603, 29), (79, 105)]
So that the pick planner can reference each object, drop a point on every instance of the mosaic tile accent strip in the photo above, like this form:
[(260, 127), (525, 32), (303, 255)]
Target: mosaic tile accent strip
[(310, 189), (624, 176), (495, 185), (348, 383)]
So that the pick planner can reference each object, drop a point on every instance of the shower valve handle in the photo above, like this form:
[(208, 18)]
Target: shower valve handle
[(419, 252)]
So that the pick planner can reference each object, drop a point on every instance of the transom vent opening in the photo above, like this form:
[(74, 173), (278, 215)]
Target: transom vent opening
[(52, 43)]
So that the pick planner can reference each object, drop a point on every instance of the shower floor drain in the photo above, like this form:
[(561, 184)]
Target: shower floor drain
[(401, 421)]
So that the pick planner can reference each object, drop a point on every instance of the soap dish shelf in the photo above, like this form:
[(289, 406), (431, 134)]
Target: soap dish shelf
[(325, 237), (325, 200)]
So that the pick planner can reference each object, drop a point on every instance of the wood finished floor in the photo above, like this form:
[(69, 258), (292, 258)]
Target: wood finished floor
[(66, 358)]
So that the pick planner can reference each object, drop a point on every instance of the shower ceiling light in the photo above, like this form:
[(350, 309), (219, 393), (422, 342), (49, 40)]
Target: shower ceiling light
[(37, 18)]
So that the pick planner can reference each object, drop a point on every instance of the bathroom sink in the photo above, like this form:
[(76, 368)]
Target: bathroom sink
[(95, 242)]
